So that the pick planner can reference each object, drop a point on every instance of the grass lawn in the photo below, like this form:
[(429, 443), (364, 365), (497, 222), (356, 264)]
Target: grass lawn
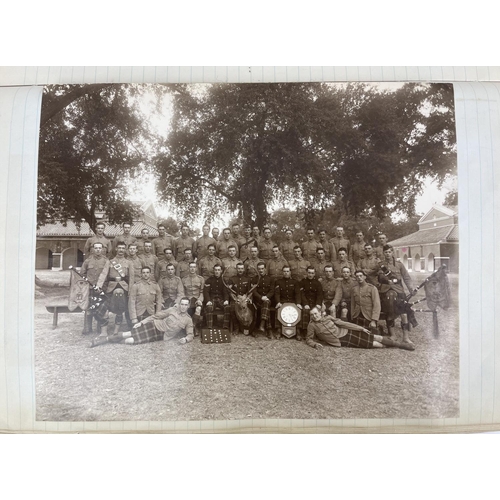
[(248, 378)]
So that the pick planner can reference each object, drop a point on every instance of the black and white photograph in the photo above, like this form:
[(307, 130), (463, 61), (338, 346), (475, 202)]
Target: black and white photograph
[(234, 251)]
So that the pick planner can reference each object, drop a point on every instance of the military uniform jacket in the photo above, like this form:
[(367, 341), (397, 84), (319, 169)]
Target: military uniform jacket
[(181, 244), (137, 264), (338, 265), (265, 287), (107, 247), (287, 290), (245, 248), (173, 322), (151, 261), (162, 267), (344, 291), (311, 292), (200, 249), (365, 301), (159, 245), (330, 252), (371, 267), (357, 252), (193, 286), (339, 243), (95, 269), (286, 249), (240, 241), (319, 267), (214, 289), (329, 288), (274, 267), (229, 266), (251, 267), (206, 265), (309, 248), (240, 284), (144, 296), (379, 252), (298, 267), (183, 268), (399, 270), (222, 247), (266, 249), (171, 288), (115, 278)]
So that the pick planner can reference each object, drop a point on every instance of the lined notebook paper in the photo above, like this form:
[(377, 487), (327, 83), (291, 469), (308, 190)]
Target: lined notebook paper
[(477, 98)]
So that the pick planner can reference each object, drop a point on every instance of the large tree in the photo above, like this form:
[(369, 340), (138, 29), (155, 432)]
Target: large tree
[(249, 147), (93, 141)]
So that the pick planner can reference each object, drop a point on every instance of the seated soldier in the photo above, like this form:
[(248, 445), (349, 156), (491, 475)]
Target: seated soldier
[(365, 303), (163, 325), (311, 296), (171, 287), (193, 288), (337, 333), (216, 297), (329, 284), (144, 297), (342, 300)]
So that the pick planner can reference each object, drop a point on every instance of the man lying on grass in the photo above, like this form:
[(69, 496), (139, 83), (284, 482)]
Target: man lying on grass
[(164, 325), (338, 333)]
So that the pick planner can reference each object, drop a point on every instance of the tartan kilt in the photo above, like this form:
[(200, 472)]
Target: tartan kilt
[(357, 339), (146, 333)]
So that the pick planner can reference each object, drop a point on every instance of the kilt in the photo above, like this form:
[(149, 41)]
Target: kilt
[(392, 305), (146, 333), (305, 318), (357, 339)]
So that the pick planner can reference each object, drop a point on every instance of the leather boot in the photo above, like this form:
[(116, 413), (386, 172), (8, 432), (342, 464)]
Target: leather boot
[(103, 331), (394, 343), (262, 326)]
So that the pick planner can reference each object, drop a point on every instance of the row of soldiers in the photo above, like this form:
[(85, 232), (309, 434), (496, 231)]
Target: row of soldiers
[(156, 282)]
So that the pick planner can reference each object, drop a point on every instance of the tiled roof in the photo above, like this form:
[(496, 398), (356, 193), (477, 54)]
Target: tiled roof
[(57, 229), (428, 236)]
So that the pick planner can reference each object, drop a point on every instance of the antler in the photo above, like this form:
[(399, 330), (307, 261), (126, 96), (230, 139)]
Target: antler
[(225, 284), (253, 288)]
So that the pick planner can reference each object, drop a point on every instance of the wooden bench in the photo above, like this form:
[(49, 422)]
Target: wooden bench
[(56, 309)]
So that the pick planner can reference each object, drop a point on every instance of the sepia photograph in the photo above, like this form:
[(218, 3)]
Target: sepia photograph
[(235, 251)]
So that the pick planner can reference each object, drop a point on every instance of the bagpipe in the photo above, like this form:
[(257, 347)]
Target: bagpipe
[(437, 294), (98, 297)]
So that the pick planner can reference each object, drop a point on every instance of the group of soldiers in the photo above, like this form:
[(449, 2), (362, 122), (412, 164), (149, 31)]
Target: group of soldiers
[(166, 287)]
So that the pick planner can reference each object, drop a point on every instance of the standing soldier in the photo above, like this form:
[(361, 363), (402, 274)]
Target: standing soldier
[(330, 252), (215, 233), (274, 266), (321, 263), (171, 287), (150, 260), (262, 296), (310, 246), (298, 265), (340, 241), (183, 242), (329, 285), (95, 269), (145, 297), (225, 243), (311, 296), (245, 248), (379, 250), (237, 237), (365, 303), (287, 246), (266, 246), (216, 296), (193, 290), (168, 258), (342, 262), (370, 265), (142, 240), (163, 241), (126, 237), (183, 267), (230, 262), (119, 279), (200, 247), (358, 249), (207, 263), (136, 263), (256, 234), (98, 238), (240, 285), (251, 263), (342, 300)]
